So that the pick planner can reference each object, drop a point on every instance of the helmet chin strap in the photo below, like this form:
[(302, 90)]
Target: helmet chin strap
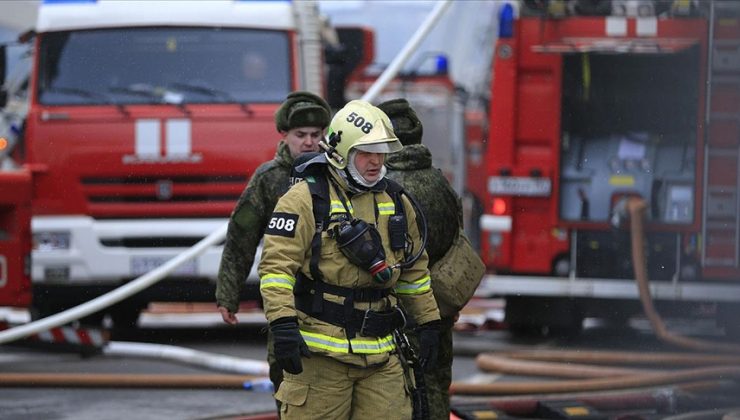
[(355, 174)]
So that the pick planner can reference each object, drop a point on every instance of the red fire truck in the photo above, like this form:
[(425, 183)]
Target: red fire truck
[(145, 121), (588, 112)]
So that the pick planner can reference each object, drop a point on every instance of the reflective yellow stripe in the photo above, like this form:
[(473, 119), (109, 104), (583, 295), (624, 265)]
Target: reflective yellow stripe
[(338, 207), (341, 345), (277, 280), (413, 288), (386, 208)]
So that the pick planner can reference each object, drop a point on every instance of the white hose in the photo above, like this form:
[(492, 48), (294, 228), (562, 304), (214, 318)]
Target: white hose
[(185, 355), (114, 296), (390, 72)]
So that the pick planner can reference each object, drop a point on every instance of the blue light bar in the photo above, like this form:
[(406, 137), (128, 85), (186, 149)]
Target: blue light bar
[(506, 21), (441, 64)]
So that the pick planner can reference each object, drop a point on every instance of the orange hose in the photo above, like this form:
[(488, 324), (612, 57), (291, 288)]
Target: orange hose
[(603, 384), (122, 380), (623, 357), (494, 363), (636, 207)]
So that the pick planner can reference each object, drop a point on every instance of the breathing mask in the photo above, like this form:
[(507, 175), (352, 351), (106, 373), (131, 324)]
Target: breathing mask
[(360, 242)]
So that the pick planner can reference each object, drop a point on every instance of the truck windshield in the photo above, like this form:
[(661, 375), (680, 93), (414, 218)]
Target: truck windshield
[(163, 65)]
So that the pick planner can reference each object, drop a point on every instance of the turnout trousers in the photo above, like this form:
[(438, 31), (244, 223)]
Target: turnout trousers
[(328, 389)]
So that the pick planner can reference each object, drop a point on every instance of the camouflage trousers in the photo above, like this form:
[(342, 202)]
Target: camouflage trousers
[(276, 372), (439, 379)]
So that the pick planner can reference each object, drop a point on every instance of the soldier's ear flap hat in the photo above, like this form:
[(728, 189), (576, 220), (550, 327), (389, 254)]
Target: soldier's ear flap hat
[(302, 109), (406, 124)]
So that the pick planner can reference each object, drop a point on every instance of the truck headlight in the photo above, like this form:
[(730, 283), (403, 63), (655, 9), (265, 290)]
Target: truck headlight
[(51, 241)]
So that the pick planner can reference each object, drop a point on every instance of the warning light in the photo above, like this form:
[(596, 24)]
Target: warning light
[(3, 143), (499, 206)]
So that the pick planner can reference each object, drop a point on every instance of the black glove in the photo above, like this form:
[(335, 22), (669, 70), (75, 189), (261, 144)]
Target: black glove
[(288, 344), (428, 344)]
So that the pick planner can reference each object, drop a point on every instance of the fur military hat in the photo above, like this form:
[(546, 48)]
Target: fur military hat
[(302, 109), (406, 124)]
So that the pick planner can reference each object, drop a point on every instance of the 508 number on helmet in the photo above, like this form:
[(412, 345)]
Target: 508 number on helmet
[(359, 122)]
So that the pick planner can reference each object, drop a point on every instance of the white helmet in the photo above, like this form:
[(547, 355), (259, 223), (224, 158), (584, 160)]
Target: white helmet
[(362, 126)]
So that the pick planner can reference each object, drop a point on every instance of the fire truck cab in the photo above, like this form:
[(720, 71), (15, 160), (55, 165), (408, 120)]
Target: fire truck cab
[(588, 111)]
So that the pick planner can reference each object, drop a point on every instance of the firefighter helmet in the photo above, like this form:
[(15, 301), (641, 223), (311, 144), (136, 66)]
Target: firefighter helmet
[(361, 126)]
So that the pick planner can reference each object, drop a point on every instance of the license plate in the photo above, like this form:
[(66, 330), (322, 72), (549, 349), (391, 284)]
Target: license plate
[(513, 185), (142, 265)]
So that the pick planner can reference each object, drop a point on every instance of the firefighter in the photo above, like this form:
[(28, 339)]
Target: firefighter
[(301, 121), (332, 274), (412, 168)]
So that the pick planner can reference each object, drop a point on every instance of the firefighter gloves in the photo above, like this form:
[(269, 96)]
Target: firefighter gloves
[(289, 345)]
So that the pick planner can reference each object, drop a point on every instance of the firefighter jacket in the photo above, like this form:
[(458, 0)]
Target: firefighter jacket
[(287, 252), (412, 168), (247, 225)]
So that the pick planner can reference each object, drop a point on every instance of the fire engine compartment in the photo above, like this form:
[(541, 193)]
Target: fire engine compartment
[(631, 130), (630, 127)]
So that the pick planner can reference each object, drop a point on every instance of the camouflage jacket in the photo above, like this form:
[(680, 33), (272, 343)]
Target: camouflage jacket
[(247, 225), (412, 168)]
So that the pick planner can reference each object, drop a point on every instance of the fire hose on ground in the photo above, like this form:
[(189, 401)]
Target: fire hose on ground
[(604, 387), (713, 370), (661, 399), (126, 380), (602, 383)]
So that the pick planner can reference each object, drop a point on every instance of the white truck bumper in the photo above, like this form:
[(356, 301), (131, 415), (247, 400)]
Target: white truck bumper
[(93, 254)]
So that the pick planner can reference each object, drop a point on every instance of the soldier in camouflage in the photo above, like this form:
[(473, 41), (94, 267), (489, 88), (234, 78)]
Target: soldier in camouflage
[(412, 168), (301, 121)]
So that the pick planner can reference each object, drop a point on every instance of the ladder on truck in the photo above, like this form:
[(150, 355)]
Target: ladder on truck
[(721, 196)]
